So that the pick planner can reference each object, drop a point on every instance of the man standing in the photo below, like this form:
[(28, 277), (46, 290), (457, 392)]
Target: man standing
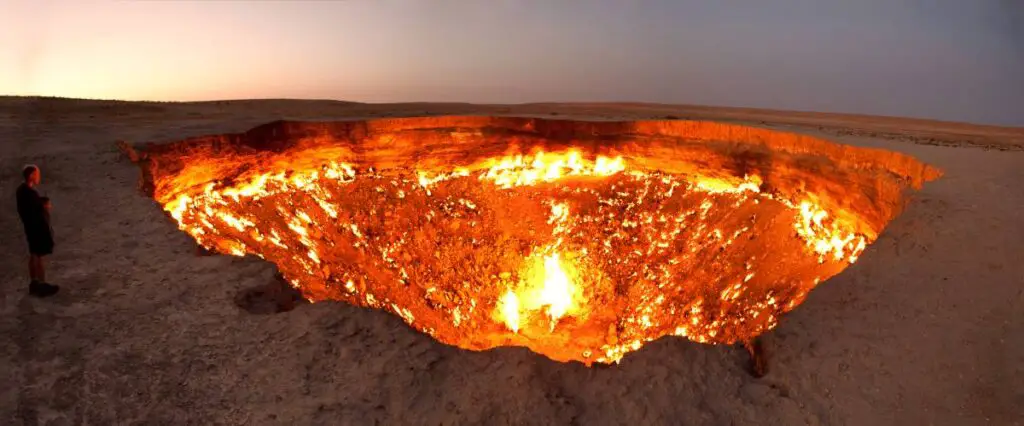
[(35, 217)]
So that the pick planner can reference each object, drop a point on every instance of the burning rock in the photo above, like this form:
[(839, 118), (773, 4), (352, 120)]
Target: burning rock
[(579, 240)]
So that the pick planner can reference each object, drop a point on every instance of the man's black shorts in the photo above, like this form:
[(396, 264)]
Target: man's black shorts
[(40, 243)]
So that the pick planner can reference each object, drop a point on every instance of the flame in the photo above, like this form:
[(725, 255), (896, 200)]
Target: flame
[(520, 170), (509, 310), (721, 186), (547, 289), (556, 280), (556, 293), (828, 237)]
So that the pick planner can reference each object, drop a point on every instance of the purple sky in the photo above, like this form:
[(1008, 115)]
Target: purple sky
[(949, 59)]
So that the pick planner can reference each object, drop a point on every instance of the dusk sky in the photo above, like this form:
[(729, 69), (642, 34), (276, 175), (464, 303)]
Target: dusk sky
[(959, 60)]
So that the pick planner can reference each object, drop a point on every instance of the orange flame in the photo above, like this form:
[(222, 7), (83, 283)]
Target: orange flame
[(551, 284)]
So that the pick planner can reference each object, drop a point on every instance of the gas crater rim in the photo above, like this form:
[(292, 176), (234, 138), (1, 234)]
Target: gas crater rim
[(616, 340)]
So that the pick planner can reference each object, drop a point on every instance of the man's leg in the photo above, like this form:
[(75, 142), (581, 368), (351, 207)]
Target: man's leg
[(33, 267), (41, 272), (39, 287)]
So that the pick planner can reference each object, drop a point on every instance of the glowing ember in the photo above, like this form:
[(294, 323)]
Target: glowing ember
[(577, 255)]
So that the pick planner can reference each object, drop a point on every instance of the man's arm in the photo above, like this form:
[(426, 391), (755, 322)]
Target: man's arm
[(24, 204)]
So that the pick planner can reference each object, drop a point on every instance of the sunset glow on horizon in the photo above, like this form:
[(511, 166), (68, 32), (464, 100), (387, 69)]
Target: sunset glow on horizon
[(955, 60)]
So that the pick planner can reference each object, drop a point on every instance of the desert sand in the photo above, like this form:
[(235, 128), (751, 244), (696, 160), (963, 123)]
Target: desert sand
[(927, 328)]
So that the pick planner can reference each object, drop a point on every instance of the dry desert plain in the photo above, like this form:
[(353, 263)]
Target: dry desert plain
[(927, 328)]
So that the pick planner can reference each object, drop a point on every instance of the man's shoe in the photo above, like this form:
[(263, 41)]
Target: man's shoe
[(51, 289), (39, 289), (34, 288)]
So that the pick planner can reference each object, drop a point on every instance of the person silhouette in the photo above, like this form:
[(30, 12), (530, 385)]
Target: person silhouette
[(34, 212)]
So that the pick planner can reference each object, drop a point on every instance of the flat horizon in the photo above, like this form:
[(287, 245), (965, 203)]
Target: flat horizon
[(952, 61), (553, 103)]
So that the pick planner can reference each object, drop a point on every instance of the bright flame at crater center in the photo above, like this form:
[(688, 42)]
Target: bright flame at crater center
[(547, 288)]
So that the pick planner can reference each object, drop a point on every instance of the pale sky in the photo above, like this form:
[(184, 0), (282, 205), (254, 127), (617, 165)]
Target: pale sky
[(957, 60)]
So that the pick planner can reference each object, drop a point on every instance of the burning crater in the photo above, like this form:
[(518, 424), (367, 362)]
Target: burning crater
[(579, 240)]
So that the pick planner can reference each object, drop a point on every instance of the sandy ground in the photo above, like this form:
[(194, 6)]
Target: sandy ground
[(927, 328)]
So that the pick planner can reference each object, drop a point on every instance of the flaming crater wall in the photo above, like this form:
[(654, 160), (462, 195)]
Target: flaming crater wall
[(863, 188)]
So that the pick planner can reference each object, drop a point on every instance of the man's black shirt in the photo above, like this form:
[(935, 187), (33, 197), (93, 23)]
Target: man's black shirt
[(31, 211)]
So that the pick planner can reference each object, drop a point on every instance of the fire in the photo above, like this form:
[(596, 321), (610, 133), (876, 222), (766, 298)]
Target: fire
[(828, 238), (582, 241), (509, 314), (590, 257), (547, 289), (520, 170), (556, 292)]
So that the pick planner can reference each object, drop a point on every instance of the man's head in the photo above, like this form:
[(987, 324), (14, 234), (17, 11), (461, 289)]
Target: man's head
[(31, 174)]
